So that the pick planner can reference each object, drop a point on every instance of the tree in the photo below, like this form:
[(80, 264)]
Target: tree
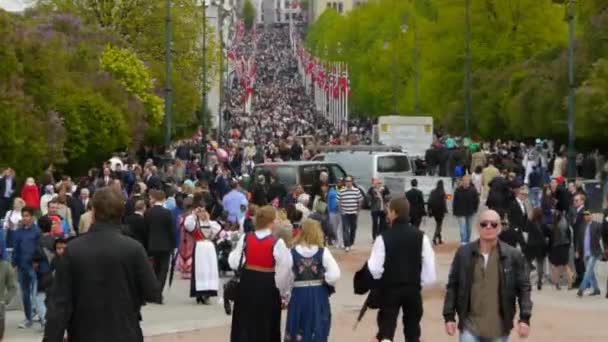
[(248, 14), (141, 23)]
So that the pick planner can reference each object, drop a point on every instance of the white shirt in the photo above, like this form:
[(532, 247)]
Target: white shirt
[(281, 257), (428, 275), (332, 270), (44, 202)]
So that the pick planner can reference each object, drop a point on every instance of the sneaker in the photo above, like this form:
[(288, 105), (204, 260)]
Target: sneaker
[(347, 249), (35, 318), (595, 293), (579, 294), (25, 324)]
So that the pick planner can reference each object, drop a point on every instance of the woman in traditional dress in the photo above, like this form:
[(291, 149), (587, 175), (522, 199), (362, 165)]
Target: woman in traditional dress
[(186, 242), (264, 281), (313, 269), (205, 279)]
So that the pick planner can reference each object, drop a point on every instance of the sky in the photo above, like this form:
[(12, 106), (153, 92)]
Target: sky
[(13, 5)]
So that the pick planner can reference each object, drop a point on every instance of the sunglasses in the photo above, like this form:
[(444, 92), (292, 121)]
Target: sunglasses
[(486, 224)]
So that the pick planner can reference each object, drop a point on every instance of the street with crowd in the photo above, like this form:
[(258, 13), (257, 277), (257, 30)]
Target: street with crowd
[(87, 253)]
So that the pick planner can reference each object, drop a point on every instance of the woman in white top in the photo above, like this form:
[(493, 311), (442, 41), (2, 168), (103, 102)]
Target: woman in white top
[(477, 179), (205, 279), (12, 219), (314, 272)]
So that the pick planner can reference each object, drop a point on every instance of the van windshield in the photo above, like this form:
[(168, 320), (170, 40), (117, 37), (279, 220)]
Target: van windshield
[(286, 174), (393, 164)]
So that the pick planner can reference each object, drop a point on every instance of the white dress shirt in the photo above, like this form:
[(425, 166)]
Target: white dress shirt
[(332, 270), (282, 258), (428, 275)]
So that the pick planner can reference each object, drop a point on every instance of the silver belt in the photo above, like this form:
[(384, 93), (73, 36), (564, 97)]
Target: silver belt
[(308, 283)]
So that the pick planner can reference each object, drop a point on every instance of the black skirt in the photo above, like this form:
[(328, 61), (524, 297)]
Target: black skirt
[(559, 255), (257, 309)]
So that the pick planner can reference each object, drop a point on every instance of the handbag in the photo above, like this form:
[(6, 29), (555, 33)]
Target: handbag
[(231, 288)]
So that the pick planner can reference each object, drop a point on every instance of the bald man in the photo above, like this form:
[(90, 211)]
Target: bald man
[(487, 277)]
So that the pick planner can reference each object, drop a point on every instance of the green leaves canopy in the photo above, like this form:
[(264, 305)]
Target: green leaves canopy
[(519, 62)]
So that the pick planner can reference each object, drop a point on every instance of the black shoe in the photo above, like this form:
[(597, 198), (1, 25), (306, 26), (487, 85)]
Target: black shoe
[(539, 286), (435, 241), (595, 293), (557, 287), (579, 294), (227, 307), (440, 241)]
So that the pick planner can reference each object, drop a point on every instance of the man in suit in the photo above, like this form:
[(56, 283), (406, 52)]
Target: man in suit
[(589, 249), (136, 223), (7, 189), (153, 181), (578, 224), (416, 199), (114, 280), (160, 229), (517, 214)]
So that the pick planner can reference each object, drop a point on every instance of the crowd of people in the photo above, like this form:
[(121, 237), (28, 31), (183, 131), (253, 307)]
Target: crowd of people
[(136, 222)]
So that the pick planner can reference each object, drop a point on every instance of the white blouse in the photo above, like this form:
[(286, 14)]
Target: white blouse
[(190, 225), (332, 270), (282, 258), (12, 216)]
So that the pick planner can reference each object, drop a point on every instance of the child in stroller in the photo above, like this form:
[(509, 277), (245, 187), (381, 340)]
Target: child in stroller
[(224, 244)]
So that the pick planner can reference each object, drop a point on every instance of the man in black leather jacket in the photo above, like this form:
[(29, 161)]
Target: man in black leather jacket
[(486, 278)]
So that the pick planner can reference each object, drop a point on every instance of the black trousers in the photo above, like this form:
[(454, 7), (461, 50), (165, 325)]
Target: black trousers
[(161, 267), (579, 266), (438, 223), (378, 223), (349, 227), (416, 221), (410, 301)]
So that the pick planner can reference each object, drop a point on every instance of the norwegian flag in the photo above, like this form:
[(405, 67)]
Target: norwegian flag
[(335, 86)]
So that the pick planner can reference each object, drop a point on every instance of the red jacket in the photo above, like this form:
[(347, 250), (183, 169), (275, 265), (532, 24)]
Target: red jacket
[(31, 196)]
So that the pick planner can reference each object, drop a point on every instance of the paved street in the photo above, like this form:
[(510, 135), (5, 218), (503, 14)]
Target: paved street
[(557, 316)]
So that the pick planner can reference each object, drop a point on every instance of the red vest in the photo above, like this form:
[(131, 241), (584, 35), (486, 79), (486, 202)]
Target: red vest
[(259, 252)]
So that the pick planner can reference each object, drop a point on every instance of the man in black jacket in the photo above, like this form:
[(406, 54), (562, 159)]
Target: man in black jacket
[(416, 200), (578, 224), (517, 214), (102, 282), (486, 278), (464, 207), (402, 261), (137, 224), (161, 236)]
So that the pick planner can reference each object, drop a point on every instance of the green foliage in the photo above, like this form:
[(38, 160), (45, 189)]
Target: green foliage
[(141, 24), (248, 14), (519, 62), (58, 104), (124, 66)]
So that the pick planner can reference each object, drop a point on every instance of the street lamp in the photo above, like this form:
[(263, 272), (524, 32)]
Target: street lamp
[(467, 68), (385, 47), (571, 94), (168, 87), (204, 4)]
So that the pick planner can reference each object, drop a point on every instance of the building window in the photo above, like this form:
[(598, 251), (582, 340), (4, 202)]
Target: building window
[(340, 9)]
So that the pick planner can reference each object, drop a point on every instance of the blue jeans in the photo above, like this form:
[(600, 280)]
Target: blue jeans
[(534, 197), (465, 223), (467, 336), (27, 282), (589, 279)]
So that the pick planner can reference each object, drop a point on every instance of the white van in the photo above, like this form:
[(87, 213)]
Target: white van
[(363, 165)]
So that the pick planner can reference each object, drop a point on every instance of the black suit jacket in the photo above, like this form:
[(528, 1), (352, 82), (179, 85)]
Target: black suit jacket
[(160, 229), (416, 199), (137, 228), (100, 285), (518, 219)]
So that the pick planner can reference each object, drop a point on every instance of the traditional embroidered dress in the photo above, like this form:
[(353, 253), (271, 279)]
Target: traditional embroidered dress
[(309, 315), (185, 250), (257, 309), (205, 280)]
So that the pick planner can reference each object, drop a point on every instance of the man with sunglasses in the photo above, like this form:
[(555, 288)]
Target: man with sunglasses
[(486, 278)]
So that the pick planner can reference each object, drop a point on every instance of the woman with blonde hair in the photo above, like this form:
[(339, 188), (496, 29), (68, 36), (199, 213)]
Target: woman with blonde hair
[(263, 262), (313, 269)]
